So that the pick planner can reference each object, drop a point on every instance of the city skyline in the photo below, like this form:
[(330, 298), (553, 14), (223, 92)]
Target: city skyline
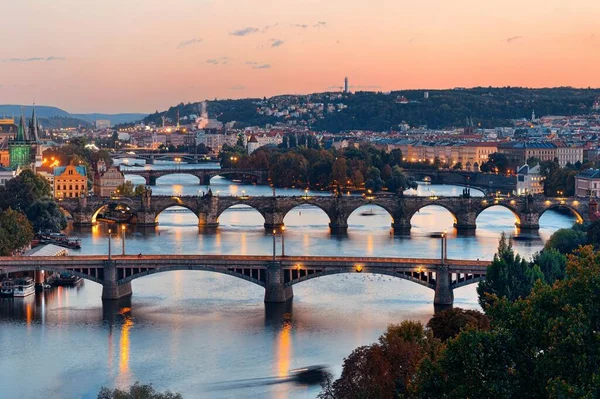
[(147, 56)]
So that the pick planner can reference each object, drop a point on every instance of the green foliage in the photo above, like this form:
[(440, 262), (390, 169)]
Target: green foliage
[(496, 163), (137, 391), (508, 276), (22, 191), (46, 215), (552, 264), (127, 189), (566, 241), (450, 322), (593, 233), (15, 232)]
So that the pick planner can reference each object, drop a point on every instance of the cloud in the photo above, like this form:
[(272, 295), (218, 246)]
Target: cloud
[(513, 39), (245, 31), (35, 59), (267, 27), (320, 24), (237, 87), (261, 66), (212, 61), (303, 26), (186, 43), (276, 42)]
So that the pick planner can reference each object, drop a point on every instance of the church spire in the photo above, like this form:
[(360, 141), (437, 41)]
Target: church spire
[(33, 127), (22, 129)]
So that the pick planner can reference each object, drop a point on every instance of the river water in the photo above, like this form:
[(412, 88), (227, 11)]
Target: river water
[(210, 335)]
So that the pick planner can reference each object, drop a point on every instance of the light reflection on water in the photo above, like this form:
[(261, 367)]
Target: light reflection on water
[(183, 330)]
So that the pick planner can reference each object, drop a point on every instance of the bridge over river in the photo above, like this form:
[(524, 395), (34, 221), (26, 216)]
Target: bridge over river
[(204, 174), (145, 209), (276, 274)]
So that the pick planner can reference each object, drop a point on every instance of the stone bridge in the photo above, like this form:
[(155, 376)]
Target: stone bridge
[(527, 210), (276, 275), (204, 174), (150, 157)]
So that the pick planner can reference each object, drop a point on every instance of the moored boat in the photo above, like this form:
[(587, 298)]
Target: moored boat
[(66, 279), (24, 287), (7, 289)]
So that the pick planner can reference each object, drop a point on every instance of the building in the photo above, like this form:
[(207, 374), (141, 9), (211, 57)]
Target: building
[(518, 153), (569, 155), (587, 183), (253, 144), (25, 149), (216, 141), (529, 180), (346, 87), (102, 124), (70, 181), (106, 181), (7, 174)]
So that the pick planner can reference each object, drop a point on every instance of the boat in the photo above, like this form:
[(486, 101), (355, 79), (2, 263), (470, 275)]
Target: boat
[(7, 289), (24, 287), (367, 213), (309, 375), (60, 239), (66, 279)]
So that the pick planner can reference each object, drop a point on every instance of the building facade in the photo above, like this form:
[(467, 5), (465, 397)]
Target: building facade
[(70, 181), (569, 155), (587, 183), (107, 181), (529, 180)]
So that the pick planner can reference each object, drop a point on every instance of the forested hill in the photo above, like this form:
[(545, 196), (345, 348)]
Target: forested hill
[(488, 107)]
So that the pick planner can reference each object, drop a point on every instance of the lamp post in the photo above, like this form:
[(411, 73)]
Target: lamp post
[(282, 241), (123, 230), (443, 236), (109, 233), (274, 231)]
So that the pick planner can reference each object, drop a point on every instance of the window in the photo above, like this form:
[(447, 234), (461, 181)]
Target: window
[(77, 187), (70, 187)]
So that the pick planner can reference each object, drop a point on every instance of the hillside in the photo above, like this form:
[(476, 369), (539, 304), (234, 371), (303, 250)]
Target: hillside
[(44, 111), (487, 106)]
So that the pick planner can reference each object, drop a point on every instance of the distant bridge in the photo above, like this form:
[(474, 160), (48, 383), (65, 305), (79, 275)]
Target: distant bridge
[(527, 210), (276, 275), (204, 174), (150, 156)]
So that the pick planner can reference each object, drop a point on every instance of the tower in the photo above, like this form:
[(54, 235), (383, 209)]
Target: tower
[(19, 149), (533, 116), (346, 88)]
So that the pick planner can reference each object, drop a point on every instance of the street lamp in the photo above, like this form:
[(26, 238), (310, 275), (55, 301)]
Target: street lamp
[(443, 236), (274, 231), (109, 233), (123, 230), (282, 241)]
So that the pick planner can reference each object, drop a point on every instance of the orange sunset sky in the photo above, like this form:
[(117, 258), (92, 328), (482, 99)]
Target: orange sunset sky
[(145, 55)]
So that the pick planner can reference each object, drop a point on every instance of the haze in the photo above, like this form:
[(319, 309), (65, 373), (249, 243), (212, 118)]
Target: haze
[(144, 55)]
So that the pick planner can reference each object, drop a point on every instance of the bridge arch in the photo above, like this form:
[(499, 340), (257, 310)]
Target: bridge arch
[(55, 270), (125, 202), (253, 275), (432, 206), (182, 173), (359, 210), (236, 206), (300, 207), (512, 209), (415, 277), (578, 216), (174, 205)]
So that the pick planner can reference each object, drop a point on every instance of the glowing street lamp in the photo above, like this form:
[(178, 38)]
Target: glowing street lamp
[(109, 234), (123, 230)]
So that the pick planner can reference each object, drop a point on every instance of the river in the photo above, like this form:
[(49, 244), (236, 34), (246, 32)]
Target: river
[(200, 334)]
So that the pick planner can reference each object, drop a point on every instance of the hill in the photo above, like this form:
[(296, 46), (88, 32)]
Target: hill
[(487, 106), (44, 111)]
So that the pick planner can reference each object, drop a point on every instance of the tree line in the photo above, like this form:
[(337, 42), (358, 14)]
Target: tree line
[(537, 337), (363, 168)]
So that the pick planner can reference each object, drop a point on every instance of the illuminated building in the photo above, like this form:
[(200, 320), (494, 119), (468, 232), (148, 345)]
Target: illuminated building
[(106, 181), (70, 181)]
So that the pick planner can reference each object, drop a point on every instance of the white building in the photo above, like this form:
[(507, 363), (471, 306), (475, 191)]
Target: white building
[(253, 144), (587, 183), (215, 141), (102, 124), (7, 174), (529, 180), (570, 155)]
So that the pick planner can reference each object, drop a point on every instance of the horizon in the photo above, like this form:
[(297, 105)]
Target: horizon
[(108, 56)]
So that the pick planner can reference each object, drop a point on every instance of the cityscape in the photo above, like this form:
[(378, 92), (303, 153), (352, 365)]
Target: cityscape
[(306, 200)]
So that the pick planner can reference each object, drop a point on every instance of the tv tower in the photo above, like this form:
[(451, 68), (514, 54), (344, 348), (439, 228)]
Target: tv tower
[(346, 85)]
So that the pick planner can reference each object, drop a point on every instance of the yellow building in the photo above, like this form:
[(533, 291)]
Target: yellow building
[(70, 181)]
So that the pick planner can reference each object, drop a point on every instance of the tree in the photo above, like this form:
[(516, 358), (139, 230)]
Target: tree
[(450, 322), (458, 166), (15, 232), (127, 189), (399, 182), (339, 172), (508, 276), (552, 264), (46, 215), (593, 233), (22, 191), (566, 241), (137, 391)]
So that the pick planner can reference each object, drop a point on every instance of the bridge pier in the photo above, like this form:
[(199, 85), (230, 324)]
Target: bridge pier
[(151, 180), (444, 295), (273, 220), (275, 289), (528, 221), (466, 221), (146, 219), (111, 289), (207, 220), (82, 218), (401, 225)]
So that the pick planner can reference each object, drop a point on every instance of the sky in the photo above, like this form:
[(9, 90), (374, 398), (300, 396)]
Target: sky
[(146, 55)]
